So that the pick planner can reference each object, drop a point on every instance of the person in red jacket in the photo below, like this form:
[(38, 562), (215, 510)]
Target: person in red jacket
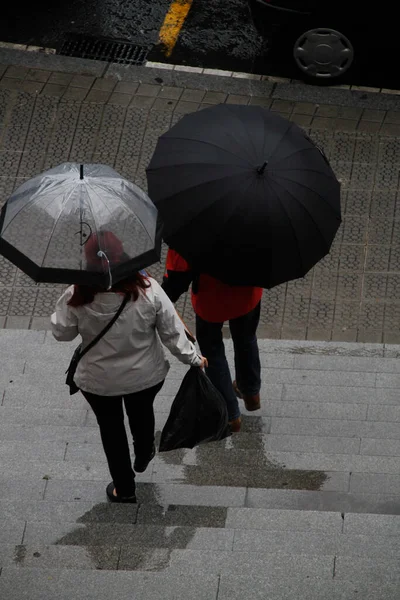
[(214, 303)]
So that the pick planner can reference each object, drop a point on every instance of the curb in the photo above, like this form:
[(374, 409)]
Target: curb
[(214, 72), (40, 49), (256, 77)]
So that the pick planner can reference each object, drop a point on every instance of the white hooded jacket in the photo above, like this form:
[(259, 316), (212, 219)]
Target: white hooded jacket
[(130, 357)]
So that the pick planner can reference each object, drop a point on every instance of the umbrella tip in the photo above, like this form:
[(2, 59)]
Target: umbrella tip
[(81, 172), (260, 170)]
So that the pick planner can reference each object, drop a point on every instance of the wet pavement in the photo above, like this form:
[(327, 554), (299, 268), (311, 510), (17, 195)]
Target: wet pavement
[(304, 503), (221, 35), (50, 117), (325, 525), (218, 34), (138, 22)]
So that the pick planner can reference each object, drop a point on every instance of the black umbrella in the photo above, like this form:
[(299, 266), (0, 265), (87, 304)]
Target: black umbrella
[(244, 195)]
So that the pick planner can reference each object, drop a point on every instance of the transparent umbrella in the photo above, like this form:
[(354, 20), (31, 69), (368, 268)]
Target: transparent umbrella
[(81, 224)]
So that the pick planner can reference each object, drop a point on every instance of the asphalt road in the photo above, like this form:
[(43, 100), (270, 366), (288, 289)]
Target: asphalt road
[(214, 33)]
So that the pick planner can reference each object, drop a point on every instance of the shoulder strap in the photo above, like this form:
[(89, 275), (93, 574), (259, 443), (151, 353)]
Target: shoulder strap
[(106, 328)]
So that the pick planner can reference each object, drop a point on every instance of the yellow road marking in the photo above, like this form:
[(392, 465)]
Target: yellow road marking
[(173, 22)]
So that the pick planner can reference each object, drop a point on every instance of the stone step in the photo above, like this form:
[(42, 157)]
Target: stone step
[(290, 369), (270, 346), (276, 369), (268, 586), (18, 340), (130, 538), (369, 494), (201, 528), (86, 511), (258, 538), (278, 401), (200, 566), (264, 474), (317, 399), (227, 453), (45, 512), (126, 535), (184, 549), (272, 518), (84, 443), (330, 515), (344, 502), (247, 443), (251, 564), (67, 584)]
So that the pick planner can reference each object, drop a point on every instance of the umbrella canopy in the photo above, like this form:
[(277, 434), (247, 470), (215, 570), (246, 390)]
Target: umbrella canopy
[(244, 195), (81, 224)]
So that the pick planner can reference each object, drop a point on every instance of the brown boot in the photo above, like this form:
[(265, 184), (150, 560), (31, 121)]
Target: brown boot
[(251, 402), (235, 425)]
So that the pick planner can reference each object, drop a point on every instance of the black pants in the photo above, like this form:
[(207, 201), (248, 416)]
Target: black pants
[(110, 417), (247, 358)]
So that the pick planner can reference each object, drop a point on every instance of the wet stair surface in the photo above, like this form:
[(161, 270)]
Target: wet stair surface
[(304, 503)]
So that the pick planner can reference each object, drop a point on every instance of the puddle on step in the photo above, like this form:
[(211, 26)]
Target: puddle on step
[(105, 531), (19, 554), (110, 541), (239, 461)]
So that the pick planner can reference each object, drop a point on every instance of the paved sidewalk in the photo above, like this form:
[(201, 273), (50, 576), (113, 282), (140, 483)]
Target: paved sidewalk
[(303, 504), (48, 117)]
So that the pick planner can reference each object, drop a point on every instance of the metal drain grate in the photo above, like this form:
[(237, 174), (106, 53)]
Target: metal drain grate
[(116, 51)]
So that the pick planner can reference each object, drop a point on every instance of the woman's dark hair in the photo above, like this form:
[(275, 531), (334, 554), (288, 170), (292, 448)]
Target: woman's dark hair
[(85, 294)]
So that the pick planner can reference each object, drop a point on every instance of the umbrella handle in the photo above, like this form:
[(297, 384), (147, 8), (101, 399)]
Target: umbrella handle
[(102, 254)]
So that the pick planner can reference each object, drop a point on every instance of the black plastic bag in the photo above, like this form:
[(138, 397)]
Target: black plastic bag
[(198, 414)]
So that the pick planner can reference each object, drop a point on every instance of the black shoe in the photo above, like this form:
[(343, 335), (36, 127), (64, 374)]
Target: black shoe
[(125, 499), (141, 464)]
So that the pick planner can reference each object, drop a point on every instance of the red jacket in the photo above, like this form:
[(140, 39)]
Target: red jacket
[(212, 300)]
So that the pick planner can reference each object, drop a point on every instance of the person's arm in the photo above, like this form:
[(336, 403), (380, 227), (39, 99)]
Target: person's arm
[(176, 283), (171, 329), (64, 322)]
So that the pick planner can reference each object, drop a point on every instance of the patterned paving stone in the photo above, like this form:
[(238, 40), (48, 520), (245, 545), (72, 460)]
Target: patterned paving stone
[(354, 288), (356, 203)]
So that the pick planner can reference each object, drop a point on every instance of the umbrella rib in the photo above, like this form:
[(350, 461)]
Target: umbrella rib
[(298, 151), (205, 164), (307, 188), (92, 208), (293, 229), (207, 144), (55, 224), (33, 200), (309, 214), (232, 215), (236, 117), (136, 216), (187, 189), (300, 170), (88, 184)]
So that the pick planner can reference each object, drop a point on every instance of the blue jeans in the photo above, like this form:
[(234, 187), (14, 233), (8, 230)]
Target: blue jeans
[(247, 359)]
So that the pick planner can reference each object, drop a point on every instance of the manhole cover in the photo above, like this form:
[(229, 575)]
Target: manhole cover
[(116, 51)]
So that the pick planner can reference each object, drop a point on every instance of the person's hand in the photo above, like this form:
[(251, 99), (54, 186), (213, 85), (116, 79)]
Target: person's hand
[(204, 362)]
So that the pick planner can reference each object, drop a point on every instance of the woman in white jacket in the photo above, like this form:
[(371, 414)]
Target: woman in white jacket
[(127, 365)]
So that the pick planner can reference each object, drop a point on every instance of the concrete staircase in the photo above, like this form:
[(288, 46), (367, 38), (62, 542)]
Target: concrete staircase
[(303, 504)]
